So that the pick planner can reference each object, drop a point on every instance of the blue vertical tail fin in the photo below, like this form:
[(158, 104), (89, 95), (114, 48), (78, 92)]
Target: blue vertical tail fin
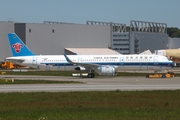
[(18, 47)]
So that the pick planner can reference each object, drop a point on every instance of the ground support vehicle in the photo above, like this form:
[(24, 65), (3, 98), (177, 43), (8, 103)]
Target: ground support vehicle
[(161, 75)]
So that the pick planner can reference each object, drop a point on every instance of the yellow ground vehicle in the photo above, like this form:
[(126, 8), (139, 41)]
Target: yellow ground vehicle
[(9, 65), (161, 75)]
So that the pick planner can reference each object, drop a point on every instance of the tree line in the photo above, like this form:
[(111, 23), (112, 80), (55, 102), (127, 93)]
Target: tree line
[(173, 32)]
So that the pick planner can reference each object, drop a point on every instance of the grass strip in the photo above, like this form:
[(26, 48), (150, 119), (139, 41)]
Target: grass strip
[(16, 81), (112, 105)]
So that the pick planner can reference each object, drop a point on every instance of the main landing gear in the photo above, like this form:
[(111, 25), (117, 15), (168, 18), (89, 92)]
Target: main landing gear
[(90, 75)]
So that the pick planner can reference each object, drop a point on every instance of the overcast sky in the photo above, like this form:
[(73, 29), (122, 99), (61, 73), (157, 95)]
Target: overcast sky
[(80, 11)]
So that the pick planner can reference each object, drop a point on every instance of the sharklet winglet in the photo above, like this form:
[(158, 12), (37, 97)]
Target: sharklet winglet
[(67, 59)]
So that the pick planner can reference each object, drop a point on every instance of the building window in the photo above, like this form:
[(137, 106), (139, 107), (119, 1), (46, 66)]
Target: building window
[(29, 30)]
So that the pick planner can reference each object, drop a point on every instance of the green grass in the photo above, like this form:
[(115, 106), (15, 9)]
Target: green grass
[(43, 73), (16, 81), (69, 73), (114, 105)]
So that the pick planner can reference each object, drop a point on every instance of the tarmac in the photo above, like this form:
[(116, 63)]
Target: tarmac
[(91, 84)]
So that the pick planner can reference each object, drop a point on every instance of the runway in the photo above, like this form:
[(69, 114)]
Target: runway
[(69, 88), (94, 84)]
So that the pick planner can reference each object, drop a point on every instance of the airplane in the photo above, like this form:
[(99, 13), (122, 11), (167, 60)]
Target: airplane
[(105, 65), (175, 53), (172, 54)]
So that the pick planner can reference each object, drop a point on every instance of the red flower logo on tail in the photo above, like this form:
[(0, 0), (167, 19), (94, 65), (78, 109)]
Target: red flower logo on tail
[(17, 47)]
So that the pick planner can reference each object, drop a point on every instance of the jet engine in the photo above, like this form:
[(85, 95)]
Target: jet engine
[(80, 68), (106, 70)]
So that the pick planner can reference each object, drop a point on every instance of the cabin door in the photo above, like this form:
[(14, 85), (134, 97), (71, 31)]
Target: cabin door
[(79, 60), (34, 61), (155, 60), (121, 61)]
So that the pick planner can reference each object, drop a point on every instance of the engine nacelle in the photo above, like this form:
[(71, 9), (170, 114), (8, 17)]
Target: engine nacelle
[(106, 71), (80, 68)]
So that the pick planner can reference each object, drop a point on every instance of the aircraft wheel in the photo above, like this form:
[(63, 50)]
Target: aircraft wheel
[(164, 76), (90, 75)]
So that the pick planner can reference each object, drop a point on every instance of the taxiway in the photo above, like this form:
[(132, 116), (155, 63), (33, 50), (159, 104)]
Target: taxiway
[(94, 84)]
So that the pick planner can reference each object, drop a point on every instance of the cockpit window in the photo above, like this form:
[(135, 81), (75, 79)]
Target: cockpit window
[(165, 59), (168, 59)]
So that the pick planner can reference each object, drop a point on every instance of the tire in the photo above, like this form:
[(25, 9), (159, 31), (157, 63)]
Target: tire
[(164, 76), (90, 75), (147, 76)]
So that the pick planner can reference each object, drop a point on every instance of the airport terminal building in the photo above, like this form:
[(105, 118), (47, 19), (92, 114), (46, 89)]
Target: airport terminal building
[(54, 37)]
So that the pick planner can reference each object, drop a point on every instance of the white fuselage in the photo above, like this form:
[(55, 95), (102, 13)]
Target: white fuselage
[(125, 62)]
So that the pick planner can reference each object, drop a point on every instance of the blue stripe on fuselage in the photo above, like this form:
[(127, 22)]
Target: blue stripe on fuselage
[(165, 64)]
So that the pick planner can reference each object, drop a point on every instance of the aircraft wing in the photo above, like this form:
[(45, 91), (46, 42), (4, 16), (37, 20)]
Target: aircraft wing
[(86, 65)]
